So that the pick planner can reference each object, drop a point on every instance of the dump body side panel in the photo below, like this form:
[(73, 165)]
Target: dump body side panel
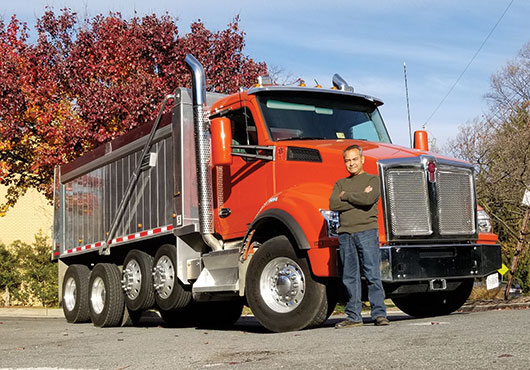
[(91, 199), (164, 201)]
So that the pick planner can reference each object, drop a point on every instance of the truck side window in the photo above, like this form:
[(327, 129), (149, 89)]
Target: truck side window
[(243, 130)]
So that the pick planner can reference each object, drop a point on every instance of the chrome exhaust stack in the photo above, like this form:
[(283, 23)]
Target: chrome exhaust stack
[(202, 153)]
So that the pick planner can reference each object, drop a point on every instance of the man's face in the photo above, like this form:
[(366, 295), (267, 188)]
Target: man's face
[(354, 161)]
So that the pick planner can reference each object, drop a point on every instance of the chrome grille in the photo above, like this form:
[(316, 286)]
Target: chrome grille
[(408, 202), (456, 208), (427, 197)]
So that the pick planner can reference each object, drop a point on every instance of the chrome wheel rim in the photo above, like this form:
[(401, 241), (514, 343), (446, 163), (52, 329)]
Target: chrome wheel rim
[(164, 277), (97, 295), (132, 279), (70, 294), (282, 285)]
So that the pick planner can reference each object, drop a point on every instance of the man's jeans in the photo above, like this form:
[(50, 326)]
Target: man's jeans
[(362, 247)]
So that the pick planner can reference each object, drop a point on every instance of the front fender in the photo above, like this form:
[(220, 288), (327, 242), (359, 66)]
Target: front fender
[(298, 208)]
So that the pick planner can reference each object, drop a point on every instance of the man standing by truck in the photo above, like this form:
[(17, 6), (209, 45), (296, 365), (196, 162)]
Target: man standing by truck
[(355, 198)]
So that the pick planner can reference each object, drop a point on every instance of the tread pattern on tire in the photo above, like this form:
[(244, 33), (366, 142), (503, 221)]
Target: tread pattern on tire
[(114, 302), (146, 297), (81, 311)]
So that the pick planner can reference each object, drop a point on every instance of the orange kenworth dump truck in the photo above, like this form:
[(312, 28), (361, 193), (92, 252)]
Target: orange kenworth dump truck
[(224, 202)]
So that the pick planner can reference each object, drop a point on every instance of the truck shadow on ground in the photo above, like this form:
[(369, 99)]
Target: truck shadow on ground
[(250, 324)]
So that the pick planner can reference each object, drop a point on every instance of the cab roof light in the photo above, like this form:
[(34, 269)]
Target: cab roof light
[(318, 86)]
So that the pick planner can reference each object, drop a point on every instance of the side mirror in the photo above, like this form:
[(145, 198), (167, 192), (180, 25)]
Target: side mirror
[(421, 140), (221, 132)]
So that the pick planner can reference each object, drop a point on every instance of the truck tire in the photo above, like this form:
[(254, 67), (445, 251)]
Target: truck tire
[(435, 303), (130, 318), (106, 296), (326, 311), (137, 281), (75, 294), (169, 293), (281, 291)]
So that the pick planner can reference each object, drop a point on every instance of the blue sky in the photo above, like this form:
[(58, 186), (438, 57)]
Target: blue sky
[(365, 42)]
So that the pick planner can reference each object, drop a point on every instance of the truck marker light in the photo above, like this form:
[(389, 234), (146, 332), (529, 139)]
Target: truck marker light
[(281, 152), (431, 169)]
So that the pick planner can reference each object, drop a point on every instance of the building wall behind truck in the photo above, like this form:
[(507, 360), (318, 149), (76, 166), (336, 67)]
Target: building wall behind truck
[(31, 214)]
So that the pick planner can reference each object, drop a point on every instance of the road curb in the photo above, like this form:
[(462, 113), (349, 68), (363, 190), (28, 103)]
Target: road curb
[(478, 307), (31, 312)]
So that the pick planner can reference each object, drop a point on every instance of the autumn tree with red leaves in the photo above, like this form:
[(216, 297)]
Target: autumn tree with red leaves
[(84, 83)]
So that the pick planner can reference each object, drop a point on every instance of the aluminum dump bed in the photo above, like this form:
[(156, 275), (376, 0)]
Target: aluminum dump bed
[(88, 191)]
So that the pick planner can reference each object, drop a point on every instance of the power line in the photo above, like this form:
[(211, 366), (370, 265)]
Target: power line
[(471, 61)]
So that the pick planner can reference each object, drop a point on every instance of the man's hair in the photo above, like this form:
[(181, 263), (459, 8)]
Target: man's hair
[(351, 147)]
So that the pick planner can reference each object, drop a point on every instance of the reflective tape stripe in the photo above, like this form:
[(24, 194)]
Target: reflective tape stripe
[(120, 239)]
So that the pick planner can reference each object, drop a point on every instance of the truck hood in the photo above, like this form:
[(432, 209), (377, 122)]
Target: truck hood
[(331, 167), (372, 151)]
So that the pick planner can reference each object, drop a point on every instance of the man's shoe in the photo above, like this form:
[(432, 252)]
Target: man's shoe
[(348, 324), (381, 321)]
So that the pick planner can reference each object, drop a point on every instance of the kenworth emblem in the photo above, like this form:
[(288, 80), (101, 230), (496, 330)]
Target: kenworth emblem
[(431, 169)]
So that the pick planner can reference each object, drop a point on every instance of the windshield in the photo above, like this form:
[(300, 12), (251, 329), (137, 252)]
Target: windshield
[(317, 116)]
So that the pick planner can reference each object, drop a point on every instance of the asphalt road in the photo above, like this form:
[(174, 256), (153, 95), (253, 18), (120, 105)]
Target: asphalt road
[(478, 340)]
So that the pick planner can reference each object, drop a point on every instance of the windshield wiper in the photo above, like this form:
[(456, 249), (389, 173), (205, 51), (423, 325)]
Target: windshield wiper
[(300, 138)]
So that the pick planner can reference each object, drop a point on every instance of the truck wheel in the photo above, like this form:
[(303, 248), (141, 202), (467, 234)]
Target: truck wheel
[(75, 294), (435, 303), (280, 290), (324, 315), (169, 293), (137, 281), (106, 295)]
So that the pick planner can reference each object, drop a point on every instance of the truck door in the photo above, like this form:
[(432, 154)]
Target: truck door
[(244, 186)]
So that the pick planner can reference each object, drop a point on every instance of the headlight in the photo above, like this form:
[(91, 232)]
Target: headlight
[(332, 222), (484, 221)]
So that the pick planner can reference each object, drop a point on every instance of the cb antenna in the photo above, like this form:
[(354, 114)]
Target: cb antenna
[(408, 108)]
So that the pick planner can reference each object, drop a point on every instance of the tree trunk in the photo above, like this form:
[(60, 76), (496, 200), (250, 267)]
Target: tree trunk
[(520, 244)]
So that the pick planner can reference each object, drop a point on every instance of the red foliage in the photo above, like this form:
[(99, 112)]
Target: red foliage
[(82, 84)]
